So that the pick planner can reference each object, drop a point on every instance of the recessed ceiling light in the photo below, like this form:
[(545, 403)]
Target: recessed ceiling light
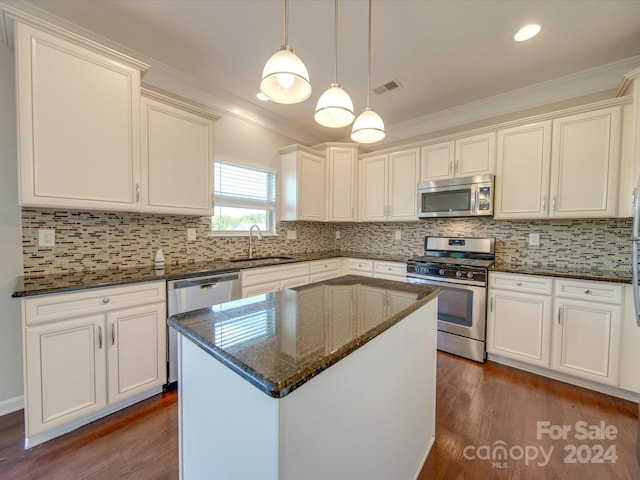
[(527, 32), (262, 96)]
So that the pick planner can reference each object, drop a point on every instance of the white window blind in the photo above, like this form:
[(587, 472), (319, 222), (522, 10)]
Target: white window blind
[(239, 186)]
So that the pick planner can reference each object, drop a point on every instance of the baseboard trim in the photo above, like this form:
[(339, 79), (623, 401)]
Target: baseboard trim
[(11, 405)]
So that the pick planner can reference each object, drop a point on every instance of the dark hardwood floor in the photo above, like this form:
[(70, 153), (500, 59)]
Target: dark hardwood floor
[(477, 406)]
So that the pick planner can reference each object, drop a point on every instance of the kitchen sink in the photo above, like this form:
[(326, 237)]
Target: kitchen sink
[(257, 260)]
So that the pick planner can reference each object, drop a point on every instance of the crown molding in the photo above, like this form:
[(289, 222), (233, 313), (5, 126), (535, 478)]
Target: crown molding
[(579, 84)]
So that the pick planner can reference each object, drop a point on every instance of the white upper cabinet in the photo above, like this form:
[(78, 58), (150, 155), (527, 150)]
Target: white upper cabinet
[(302, 184), (464, 157), (561, 168), (341, 183), (177, 157), (522, 171), (78, 124), (388, 186), (584, 168)]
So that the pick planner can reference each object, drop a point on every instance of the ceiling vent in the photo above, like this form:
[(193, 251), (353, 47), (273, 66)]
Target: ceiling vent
[(387, 87)]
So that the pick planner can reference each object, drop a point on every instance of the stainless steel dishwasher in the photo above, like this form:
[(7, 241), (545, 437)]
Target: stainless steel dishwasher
[(187, 294)]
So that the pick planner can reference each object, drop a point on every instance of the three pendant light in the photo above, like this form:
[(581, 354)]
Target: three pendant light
[(285, 80)]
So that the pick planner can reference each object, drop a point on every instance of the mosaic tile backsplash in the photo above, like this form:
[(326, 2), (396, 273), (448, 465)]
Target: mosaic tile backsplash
[(99, 240)]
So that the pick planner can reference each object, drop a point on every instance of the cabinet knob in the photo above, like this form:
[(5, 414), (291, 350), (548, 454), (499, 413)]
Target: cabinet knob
[(587, 292), (519, 284), (105, 300)]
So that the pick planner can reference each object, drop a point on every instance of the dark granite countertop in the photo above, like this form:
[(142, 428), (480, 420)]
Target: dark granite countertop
[(576, 274), (71, 281), (278, 341)]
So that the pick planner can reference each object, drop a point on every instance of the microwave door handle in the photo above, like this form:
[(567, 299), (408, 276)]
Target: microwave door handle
[(474, 200)]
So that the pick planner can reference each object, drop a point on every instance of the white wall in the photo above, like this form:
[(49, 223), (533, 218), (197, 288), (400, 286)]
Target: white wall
[(10, 243)]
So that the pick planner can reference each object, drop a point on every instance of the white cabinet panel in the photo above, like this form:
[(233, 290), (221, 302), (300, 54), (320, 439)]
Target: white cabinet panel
[(78, 125), (522, 171), (437, 161), (372, 174), (341, 181), (475, 155), (177, 160), (302, 184)]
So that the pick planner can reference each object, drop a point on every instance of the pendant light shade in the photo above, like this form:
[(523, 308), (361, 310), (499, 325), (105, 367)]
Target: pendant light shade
[(285, 78), (334, 108), (368, 127)]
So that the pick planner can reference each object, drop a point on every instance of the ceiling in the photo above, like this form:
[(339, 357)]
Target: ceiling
[(445, 53)]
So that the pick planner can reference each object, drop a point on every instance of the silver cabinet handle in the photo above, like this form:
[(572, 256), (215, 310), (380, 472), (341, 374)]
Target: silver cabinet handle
[(553, 203), (544, 203), (450, 167), (559, 311), (456, 168), (633, 196), (105, 300), (100, 338), (137, 192), (113, 334), (212, 200)]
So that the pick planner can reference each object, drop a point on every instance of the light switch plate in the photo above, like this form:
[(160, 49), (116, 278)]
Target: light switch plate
[(46, 237), (534, 239), (337, 234), (397, 235), (292, 235), (191, 234)]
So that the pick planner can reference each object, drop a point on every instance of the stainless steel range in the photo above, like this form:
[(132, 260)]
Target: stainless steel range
[(459, 266)]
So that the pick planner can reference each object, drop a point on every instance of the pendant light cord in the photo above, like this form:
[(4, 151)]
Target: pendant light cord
[(335, 44), (286, 22), (369, 66)]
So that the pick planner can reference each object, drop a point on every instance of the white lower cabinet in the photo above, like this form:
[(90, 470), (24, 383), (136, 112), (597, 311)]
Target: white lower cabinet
[(390, 270), (90, 353), (359, 266), (586, 336), (568, 326), (256, 281), (519, 326), (320, 270)]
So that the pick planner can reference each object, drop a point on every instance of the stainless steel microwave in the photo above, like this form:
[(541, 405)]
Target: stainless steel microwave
[(456, 197)]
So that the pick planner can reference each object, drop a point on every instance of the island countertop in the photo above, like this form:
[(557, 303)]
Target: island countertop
[(280, 340)]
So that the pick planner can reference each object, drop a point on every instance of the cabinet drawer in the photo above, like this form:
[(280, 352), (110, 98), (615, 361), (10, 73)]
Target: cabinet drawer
[(521, 283), (53, 307), (390, 268), (359, 265), (324, 265), (592, 291), (256, 276)]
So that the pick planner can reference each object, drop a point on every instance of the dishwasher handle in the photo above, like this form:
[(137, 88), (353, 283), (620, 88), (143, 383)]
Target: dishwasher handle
[(203, 282)]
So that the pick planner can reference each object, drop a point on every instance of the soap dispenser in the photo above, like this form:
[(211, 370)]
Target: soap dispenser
[(158, 262)]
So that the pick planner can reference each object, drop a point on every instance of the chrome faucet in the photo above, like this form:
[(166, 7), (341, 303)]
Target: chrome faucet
[(251, 238)]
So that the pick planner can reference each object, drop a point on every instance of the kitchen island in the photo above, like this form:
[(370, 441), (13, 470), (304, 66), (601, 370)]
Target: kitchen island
[(330, 380)]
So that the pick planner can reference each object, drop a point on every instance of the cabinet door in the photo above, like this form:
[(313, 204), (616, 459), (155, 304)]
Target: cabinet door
[(79, 130), (475, 155), (65, 372), (261, 288), (342, 184), (522, 171), (136, 350), (295, 281), (177, 160), (437, 161), (585, 162), (404, 171), (586, 340), (311, 187), (519, 327), (373, 188)]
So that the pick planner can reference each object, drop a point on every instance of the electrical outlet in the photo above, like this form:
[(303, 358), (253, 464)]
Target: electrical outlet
[(397, 235), (337, 234), (191, 234), (46, 237), (292, 235), (534, 239)]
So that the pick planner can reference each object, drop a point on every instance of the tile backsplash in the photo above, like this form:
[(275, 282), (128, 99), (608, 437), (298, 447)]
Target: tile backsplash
[(99, 240)]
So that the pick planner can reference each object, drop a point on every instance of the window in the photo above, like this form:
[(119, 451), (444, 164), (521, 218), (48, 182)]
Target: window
[(243, 196)]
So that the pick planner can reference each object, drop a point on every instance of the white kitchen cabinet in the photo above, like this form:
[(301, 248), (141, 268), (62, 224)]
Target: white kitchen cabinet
[(463, 157), (360, 266), (585, 152), (522, 171), (256, 281), (341, 183), (302, 184), (320, 270), (78, 123), (90, 353), (388, 186), (518, 322), (628, 377), (390, 270), (586, 336), (177, 157)]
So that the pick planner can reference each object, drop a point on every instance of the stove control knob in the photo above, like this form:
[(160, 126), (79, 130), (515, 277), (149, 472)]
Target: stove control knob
[(441, 271), (469, 274), (458, 273), (422, 270)]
